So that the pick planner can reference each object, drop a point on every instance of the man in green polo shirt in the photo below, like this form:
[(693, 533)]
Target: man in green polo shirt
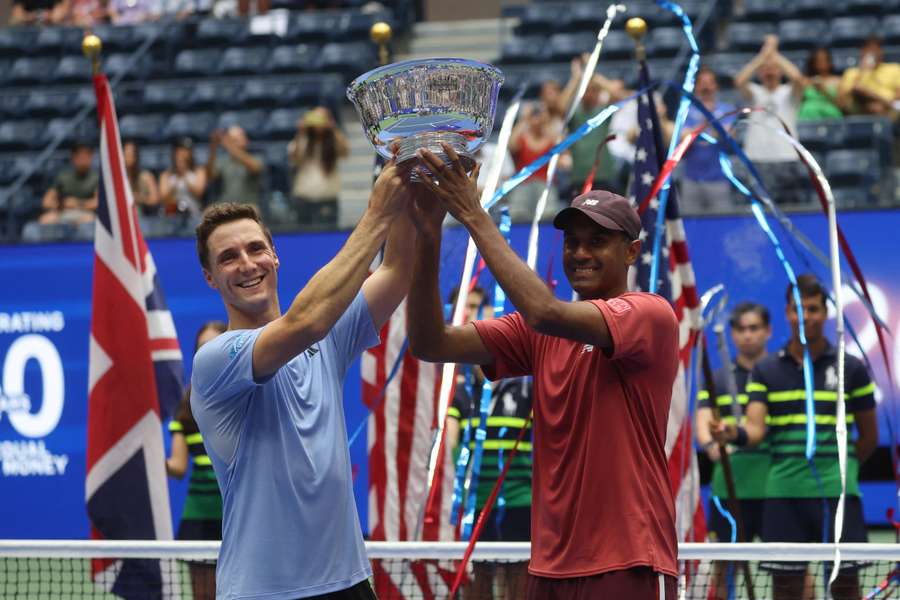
[(801, 501)]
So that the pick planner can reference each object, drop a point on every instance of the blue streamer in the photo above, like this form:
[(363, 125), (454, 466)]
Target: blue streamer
[(462, 461), (394, 369), (687, 87), (500, 510), (485, 406), (729, 577)]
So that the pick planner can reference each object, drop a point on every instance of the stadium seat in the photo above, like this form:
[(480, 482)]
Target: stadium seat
[(585, 16), (21, 135), (872, 133), (293, 58), (355, 25), (544, 19), (252, 121), (17, 41), (748, 37), (116, 38), (762, 10), (802, 34), (351, 59), (197, 63), (116, 65), (617, 45), (859, 7), (143, 129), (57, 41), (819, 136), (526, 49), (851, 197), (665, 42), (852, 167), (220, 32), (260, 93), (156, 158), (310, 27), (73, 69), (890, 29), (565, 46), (726, 65), (86, 131), (196, 126), (852, 31), (51, 104), (165, 97), (282, 123), (27, 71), (244, 61), (13, 104), (844, 58), (804, 9)]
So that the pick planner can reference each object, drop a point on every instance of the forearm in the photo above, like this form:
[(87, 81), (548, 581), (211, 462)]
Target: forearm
[(425, 316), (790, 69), (242, 156), (387, 286), (743, 76)]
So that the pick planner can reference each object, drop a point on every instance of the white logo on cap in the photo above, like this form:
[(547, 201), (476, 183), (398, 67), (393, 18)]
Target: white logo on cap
[(590, 202)]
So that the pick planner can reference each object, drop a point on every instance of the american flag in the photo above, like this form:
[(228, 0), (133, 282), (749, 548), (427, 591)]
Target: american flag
[(401, 430), (135, 377), (680, 289)]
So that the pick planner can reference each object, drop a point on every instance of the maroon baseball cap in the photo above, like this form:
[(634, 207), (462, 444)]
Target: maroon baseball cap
[(604, 208)]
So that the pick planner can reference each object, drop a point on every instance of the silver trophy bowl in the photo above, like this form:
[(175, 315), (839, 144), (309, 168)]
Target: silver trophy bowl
[(422, 103)]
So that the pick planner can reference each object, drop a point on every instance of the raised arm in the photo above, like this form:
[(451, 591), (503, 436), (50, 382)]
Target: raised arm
[(429, 337), (329, 293), (742, 79), (543, 312), (794, 75)]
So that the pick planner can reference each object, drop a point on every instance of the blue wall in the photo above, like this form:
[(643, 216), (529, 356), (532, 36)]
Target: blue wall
[(55, 280)]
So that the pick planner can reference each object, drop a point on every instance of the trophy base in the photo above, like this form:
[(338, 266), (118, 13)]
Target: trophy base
[(431, 141)]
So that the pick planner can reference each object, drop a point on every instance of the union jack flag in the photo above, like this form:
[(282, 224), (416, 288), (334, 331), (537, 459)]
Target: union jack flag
[(679, 287), (135, 379)]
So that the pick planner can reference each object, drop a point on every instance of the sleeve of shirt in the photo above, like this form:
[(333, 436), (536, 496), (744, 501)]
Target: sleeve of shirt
[(353, 333), (221, 386), (509, 340), (642, 327), (757, 389), (176, 427), (860, 389)]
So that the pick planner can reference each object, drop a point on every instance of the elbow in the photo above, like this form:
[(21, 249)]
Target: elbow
[(542, 318), (422, 351)]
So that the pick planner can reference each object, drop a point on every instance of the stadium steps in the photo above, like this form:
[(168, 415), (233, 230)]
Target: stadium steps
[(475, 39)]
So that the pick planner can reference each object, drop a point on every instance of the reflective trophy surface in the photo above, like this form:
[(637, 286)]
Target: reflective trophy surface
[(421, 103)]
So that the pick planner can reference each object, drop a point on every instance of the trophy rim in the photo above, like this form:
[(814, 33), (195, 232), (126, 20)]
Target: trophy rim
[(359, 82)]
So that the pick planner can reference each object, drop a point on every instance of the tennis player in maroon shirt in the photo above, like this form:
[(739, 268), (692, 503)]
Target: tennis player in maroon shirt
[(603, 515)]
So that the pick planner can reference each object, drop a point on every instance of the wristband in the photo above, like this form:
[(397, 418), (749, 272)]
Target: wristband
[(741, 440)]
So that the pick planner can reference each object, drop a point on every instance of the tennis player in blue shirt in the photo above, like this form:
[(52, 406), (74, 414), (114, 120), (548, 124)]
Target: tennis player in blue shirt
[(267, 396)]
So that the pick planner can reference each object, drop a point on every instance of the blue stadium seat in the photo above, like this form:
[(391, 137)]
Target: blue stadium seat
[(762, 10), (526, 49), (51, 103), (244, 61), (211, 95), (585, 16), (165, 97), (726, 65), (565, 46), (543, 19), (748, 37), (73, 69), (844, 58), (86, 131), (617, 45), (220, 32), (17, 41), (282, 123), (196, 126), (665, 42), (293, 58), (309, 27), (11, 167), (890, 29), (143, 129), (116, 38), (351, 59), (852, 167), (852, 31), (819, 136), (156, 158), (14, 104), (859, 7), (27, 71), (56, 41), (851, 197), (515, 77), (802, 34), (253, 121), (197, 63), (804, 9), (260, 93), (874, 133), (21, 135), (115, 65)]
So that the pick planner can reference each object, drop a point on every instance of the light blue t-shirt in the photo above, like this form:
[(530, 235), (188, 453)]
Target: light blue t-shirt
[(279, 450)]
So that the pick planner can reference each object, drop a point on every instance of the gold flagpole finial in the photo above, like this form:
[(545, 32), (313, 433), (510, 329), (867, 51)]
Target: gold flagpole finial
[(91, 46), (636, 27), (381, 33)]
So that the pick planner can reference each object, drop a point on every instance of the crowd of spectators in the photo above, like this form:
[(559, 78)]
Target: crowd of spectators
[(86, 13)]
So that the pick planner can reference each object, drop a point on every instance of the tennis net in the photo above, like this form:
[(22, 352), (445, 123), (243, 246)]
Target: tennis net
[(76, 569)]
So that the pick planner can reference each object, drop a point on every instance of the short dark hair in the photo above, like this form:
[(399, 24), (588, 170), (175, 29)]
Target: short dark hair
[(220, 214), (747, 307), (454, 293), (809, 287), (81, 145), (811, 60), (708, 69)]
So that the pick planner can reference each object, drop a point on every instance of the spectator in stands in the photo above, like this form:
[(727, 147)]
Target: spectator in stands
[(783, 175), (599, 94), (38, 12), (183, 185), (85, 13), (142, 182), (510, 408), (872, 87), (820, 95), (73, 196), (532, 136), (201, 518), (129, 12), (703, 186), (238, 173), (551, 97), (314, 154)]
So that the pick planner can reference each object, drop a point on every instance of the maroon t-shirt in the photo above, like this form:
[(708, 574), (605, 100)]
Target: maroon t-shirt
[(601, 498)]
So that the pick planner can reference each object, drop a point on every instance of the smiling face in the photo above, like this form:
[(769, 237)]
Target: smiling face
[(815, 314), (243, 268), (596, 259)]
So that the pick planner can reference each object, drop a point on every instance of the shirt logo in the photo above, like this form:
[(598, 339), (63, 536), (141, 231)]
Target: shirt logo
[(509, 404), (831, 378), (590, 202), (618, 306), (587, 348), (238, 344), (312, 351)]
